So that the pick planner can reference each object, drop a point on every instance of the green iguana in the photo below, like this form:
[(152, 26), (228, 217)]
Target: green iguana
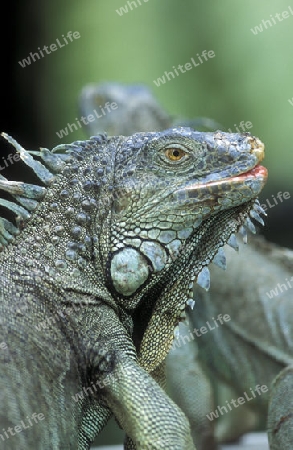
[(110, 242), (231, 358), (208, 370)]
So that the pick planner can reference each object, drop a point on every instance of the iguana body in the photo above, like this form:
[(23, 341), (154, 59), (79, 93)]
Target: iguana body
[(252, 348), (111, 246)]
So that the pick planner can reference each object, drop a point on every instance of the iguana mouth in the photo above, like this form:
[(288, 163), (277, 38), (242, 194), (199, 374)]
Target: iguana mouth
[(247, 173), (258, 150), (256, 172), (210, 192)]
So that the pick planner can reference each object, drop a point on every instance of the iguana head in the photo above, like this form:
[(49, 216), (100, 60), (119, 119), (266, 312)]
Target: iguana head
[(166, 185)]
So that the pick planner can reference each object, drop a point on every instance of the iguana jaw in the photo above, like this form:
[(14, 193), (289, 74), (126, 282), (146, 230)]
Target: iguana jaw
[(257, 171), (253, 171)]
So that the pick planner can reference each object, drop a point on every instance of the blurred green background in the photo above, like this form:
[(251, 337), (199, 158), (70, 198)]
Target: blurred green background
[(249, 79)]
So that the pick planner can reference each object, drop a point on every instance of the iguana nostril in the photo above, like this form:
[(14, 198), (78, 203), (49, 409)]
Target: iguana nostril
[(257, 148)]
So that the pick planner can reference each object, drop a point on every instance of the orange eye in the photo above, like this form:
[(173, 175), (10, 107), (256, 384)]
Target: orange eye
[(175, 154)]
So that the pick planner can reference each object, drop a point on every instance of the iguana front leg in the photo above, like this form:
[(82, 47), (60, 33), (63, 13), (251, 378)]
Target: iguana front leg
[(145, 412), (140, 406), (280, 416), (160, 377)]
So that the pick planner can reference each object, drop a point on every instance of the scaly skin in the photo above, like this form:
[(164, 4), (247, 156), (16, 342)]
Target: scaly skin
[(110, 247)]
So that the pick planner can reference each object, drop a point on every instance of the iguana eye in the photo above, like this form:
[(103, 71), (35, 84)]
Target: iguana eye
[(175, 154)]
